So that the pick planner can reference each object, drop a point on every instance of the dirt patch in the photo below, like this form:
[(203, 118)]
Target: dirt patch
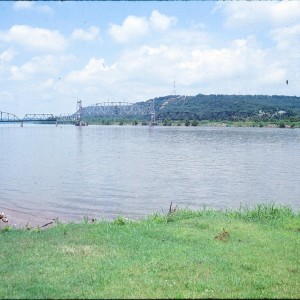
[(18, 219)]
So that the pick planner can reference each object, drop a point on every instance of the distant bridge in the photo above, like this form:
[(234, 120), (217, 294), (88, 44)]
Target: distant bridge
[(12, 118), (117, 108), (93, 111)]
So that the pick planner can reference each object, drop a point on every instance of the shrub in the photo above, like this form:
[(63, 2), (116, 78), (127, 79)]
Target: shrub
[(187, 122), (195, 123), (119, 221), (281, 125), (167, 122)]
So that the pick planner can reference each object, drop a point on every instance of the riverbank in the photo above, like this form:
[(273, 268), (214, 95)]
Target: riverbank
[(248, 253), (204, 123), (18, 219)]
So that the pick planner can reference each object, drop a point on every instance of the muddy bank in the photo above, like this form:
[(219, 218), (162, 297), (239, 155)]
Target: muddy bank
[(19, 219)]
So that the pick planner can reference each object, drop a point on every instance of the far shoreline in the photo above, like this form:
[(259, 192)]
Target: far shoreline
[(198, 123)]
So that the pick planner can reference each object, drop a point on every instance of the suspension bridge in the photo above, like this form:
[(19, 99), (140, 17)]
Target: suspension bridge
[(104, 109)]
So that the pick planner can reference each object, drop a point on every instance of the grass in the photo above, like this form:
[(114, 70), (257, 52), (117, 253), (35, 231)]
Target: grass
[(184, 254)]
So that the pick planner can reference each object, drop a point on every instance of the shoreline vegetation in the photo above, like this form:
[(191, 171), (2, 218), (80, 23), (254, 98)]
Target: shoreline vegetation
[(168, 122), (243, 253)]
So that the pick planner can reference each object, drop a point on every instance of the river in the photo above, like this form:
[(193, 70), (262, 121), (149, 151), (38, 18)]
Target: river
[(105, 171)]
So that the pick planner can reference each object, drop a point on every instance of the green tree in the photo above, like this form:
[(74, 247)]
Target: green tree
[(281, 125), (167, 122), (195, 123), (187, 122)]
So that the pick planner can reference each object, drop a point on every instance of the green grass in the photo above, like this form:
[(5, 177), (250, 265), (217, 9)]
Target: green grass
[(184, 254)]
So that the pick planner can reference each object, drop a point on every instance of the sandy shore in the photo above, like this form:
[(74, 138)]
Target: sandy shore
[(19, 219)]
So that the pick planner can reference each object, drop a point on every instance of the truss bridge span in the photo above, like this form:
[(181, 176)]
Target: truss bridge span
[(6, 117), (115, 108)]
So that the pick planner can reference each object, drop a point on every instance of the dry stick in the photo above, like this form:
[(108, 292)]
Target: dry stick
[(46, 224), (170, 209)]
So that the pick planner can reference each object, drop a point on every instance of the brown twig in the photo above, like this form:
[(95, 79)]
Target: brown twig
[(223, 235), (49, 223)]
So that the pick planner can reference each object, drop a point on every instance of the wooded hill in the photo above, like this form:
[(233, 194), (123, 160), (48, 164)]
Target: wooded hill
[(227, 107)]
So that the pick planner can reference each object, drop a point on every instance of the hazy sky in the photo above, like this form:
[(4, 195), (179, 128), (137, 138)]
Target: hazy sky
[(53, 53)]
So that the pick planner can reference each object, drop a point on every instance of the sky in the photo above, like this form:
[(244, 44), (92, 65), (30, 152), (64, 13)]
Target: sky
[(55, 53)]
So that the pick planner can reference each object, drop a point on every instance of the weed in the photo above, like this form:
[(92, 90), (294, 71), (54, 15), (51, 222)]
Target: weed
[(28, 227), (85, 219), (6, 229), (172, 210), (262, 212), (156, 218), (223, 236), (119, 220)]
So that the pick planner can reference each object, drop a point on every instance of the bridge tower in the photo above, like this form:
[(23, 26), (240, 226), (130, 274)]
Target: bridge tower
[(79, 113), (152, 114)]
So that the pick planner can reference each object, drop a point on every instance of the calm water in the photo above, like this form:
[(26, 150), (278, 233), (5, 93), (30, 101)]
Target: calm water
[(105, 171)]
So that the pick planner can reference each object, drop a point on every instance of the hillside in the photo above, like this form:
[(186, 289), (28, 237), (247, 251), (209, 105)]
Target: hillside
[(227, 107)]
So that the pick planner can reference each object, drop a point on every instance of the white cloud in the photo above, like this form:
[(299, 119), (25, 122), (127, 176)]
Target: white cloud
[(5, 96), (187, 38), (285, 12), (255, 13), (18, 5), (34, 38), (146, 70), (146, 62), (86, 35), (31, 5), (94, 70), (161, 22), (7, 101), (7, 56), (287, 38), (48, 83), (274, 74), (5, 59), (44, 8), (240, 65), (133, 27), (39, 65)]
